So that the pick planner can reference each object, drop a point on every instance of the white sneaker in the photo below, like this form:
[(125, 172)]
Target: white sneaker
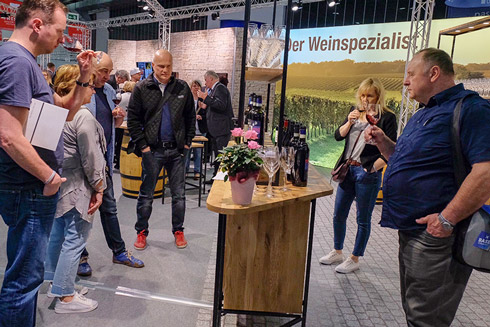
[(78, 288), (332, 257), (347, 266), (79, 304)]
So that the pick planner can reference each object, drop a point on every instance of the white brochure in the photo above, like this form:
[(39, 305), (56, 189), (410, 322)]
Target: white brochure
[(45, 124)]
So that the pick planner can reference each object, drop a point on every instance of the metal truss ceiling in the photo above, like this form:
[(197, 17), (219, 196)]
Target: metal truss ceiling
[(419, 39), (223, 6)]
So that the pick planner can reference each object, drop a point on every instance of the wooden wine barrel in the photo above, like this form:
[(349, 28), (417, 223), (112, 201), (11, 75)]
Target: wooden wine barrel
[(379, 199), (130, 169)]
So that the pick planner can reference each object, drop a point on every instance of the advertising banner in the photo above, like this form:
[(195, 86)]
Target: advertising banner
[(8, 23), (326, 66)]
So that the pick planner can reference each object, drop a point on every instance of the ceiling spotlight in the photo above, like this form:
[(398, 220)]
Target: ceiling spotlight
[(215, 15), (195, 18), (146, 7), (297, 6), (151, 13), (331, 3)]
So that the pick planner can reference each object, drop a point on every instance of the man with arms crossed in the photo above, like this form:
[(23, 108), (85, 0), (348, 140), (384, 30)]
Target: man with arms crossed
[(161, 122), (421, 198), (30, 177)]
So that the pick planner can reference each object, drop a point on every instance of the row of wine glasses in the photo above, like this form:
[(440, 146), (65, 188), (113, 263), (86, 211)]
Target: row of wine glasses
[(273, 160)]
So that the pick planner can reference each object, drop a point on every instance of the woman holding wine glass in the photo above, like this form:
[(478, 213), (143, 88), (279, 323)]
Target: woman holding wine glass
[(363, 179)]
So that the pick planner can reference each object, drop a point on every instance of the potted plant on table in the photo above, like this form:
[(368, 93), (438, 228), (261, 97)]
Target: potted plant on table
[(242, 162)]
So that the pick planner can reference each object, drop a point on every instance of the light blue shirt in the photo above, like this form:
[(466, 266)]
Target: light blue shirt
[(110, 94)]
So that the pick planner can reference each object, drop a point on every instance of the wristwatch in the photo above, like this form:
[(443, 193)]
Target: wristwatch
[(445, 223), (82, 84)]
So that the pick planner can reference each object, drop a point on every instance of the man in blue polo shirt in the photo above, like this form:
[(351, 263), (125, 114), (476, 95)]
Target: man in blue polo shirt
[(421, 198)]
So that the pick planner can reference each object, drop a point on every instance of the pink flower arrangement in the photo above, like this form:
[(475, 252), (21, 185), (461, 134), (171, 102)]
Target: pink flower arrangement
[(250, 134), (237, 132), (253, 145)]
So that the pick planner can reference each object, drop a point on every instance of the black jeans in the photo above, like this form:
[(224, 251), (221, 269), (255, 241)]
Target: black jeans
[(432, 283), (152, 162), (117, 146), (110, 223)]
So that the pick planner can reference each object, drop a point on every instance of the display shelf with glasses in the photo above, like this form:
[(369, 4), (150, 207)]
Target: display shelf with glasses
[(270, 75)]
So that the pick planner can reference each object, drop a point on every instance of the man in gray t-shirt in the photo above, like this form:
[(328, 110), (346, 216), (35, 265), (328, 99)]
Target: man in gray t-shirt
[(29, 177)]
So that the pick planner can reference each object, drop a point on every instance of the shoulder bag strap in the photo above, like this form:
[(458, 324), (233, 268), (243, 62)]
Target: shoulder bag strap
[(460, 168), (355, 143)]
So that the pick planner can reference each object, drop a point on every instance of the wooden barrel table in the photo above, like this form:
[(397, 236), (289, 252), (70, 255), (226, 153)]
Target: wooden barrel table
[(130, 169)]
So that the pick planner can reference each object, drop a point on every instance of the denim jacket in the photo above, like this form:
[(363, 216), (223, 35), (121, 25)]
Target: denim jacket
[(110, 94)]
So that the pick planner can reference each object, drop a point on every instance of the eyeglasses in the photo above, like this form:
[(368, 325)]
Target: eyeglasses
[(92, 86)]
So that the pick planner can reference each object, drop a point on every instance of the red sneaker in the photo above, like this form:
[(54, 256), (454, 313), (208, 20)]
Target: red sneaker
[(180, 241), (140, 243)]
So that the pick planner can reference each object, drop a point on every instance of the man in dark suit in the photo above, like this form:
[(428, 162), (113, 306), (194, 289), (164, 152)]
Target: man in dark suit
[(219, 112)]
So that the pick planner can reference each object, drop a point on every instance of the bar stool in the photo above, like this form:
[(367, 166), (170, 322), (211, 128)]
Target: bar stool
[(196, 145), (204, 140)]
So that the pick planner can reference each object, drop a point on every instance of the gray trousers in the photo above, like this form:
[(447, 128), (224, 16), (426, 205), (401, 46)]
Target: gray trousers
[(432, 283)]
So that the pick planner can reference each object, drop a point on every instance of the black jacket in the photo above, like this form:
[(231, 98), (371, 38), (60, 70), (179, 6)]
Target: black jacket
[(145, 113), (370, 154), (219, 111)]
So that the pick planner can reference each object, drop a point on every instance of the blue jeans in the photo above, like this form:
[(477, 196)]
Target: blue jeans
[(196, 152), (152, 162), (29, 215), (66, 243), (363, 187)]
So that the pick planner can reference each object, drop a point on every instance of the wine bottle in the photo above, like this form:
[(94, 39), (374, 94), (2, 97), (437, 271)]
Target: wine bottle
[(294, 143), (286, 139), (260, 118), (301, 160)]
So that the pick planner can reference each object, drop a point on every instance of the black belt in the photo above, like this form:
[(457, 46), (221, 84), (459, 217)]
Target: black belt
[(165, 145)]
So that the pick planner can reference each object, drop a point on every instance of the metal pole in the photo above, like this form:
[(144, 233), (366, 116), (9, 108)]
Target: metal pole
[(241, 104), (266, 127), (452, 48), (289, 18)]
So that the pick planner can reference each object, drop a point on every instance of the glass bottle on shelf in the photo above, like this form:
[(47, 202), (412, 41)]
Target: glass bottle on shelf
[(301, 160)]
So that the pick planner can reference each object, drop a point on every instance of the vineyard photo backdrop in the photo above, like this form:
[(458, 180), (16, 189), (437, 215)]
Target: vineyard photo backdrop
[(326, 66)]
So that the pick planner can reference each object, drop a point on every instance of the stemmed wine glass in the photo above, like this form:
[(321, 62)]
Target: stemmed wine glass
[(287, 163), (372, 116), (271, 165), (118, 97), (72, 44), (361, 108)]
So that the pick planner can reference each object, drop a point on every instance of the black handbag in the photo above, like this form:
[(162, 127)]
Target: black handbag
[(472, 235), (338, 175)]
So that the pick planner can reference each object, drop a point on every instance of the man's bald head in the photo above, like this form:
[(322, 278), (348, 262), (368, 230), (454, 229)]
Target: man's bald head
[(162, 65), (162, 54), (103, 70)]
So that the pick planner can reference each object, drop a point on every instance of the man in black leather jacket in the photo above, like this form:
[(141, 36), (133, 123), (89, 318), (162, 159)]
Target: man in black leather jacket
[(161, 122)]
